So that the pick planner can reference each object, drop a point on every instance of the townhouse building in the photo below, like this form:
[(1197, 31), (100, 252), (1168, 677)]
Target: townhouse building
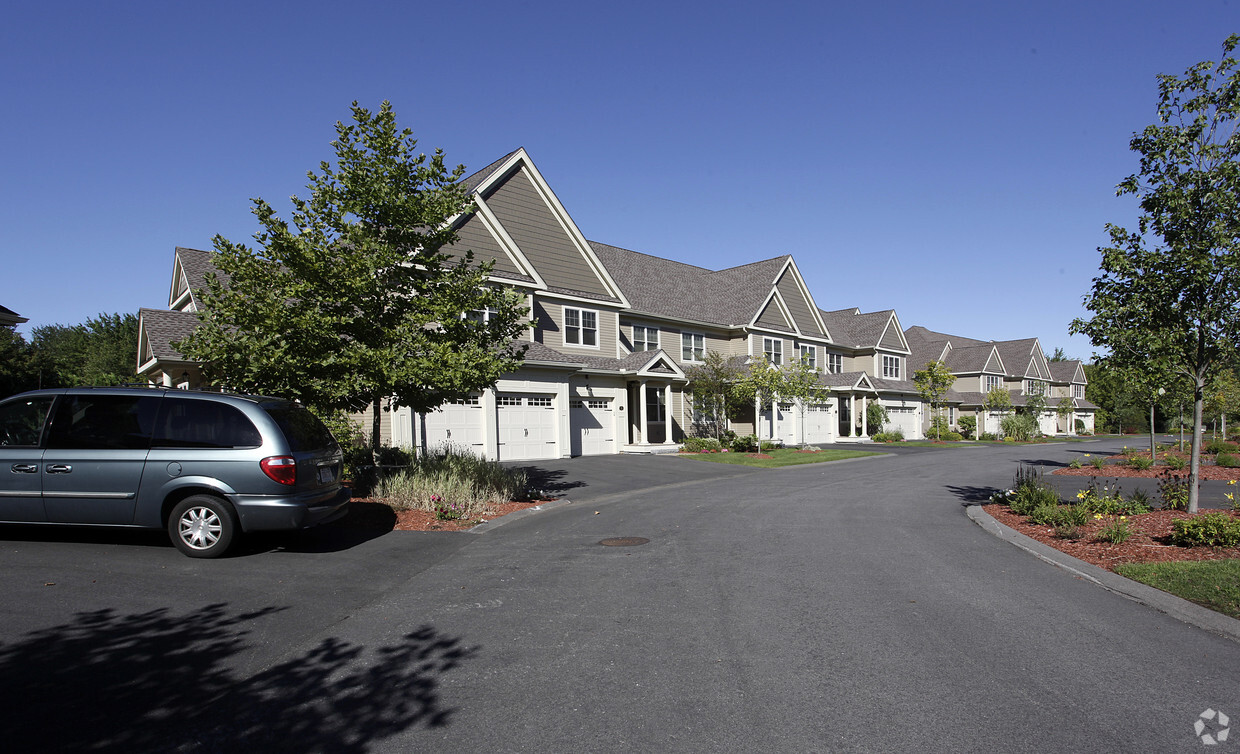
[(616, 333)]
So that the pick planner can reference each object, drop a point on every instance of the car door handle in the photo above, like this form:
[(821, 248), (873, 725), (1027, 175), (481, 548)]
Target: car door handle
[(59, 468), (25, 468)]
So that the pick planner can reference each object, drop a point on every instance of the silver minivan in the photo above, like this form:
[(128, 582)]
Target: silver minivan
[(205, 466)]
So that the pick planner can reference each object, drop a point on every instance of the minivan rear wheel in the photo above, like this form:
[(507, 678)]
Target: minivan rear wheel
[(202, 526)]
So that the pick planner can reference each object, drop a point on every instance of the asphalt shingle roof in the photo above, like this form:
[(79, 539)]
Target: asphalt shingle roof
[(665, 288), (163, 327), (851, 328)]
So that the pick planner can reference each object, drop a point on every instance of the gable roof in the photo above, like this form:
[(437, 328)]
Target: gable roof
[(1019, 359), (158, 329), (1068, 372), (849, 327)]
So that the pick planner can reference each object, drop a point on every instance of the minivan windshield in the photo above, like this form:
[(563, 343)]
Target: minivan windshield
[(302, 429)]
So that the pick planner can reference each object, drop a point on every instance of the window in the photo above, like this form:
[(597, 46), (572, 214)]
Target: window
[(21, 422), (654, 406), (645, 338), (835, 363), (189, 423), (809, 356), (992, 381), (580, 327), (104, 422), (773, 350), (543, 402), (1078, 391), (482, 316), (508, 400), (1035, 387), (692, 347), (891, 367)]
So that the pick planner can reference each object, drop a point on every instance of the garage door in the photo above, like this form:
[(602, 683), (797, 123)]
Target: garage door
[(457, 424), (592, 427), (817, 423), (903, 418), (526, 426)]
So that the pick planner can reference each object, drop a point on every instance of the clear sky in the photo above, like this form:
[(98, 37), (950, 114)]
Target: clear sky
[(955, 161)]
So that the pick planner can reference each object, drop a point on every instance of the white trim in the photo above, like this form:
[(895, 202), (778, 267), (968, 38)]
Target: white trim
[(809, 297), (506, 242), (775, 296), (581, 327), (683, 333)]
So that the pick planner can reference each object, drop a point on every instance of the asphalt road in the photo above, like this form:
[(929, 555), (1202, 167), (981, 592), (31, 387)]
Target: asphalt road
[(840, 607)]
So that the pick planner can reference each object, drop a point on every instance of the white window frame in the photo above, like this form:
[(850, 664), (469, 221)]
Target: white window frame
[(990, 382), (812, 359), (1078, 391), (580, 330), (692, 347), (481, 315), (835, 363), (891, 367), (773, 351), (647, 342), (1035, 387)]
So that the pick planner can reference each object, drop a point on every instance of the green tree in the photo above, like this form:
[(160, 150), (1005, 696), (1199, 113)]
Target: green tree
[(760, 384), (102, 351), (713, 389), (1169, 291), (17, 371), (360, 301), (932, 383), (799, 384)]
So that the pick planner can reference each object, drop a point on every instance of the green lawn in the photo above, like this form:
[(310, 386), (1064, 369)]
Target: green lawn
[(780, 457), (1210, 583)]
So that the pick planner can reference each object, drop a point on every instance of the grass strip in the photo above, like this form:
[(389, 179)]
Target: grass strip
[(1210, 583)]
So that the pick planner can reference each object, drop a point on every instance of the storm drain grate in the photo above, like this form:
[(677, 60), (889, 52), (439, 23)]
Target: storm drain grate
[(623, 541)]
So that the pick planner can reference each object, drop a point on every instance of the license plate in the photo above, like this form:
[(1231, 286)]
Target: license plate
[(325, 474)]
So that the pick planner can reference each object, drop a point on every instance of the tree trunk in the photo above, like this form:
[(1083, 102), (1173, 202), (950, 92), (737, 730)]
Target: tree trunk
[(1194, 467), (1152, 446), (375, 434)]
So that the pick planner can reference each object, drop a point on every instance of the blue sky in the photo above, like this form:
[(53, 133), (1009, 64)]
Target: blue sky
[(954, 161)]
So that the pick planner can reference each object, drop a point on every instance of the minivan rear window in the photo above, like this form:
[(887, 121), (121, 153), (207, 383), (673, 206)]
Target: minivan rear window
[(302, 429)]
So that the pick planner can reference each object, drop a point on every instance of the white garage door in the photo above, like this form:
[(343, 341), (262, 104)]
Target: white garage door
[(592, 427), (457, 424), (817, 423), (786, 429), (526, 426), (903, 418)]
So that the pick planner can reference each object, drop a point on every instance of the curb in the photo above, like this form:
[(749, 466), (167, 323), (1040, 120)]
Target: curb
[(495, 523), (1168, 604)]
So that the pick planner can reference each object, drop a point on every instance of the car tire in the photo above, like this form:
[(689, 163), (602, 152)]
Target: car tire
[(202, 526)]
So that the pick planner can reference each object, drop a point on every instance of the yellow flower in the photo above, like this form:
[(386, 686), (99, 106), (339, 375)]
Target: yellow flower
[(1123, 518), (1229, 496), (1080, 495), (1087, 455), (1097, 516), (1231, 481)]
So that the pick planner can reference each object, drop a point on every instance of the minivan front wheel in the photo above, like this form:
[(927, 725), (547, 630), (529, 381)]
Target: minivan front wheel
[(202, 526)]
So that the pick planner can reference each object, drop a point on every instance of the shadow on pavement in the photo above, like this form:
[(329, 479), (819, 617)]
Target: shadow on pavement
[(970, 495), (159, 681), (551, 481)]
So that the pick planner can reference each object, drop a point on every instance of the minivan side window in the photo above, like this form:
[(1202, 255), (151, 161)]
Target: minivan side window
[(303, 430), (189, 423), (21, 421), (103, 422)]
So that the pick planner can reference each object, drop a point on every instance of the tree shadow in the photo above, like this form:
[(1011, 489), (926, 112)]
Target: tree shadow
[(971, 495), (1044, 462), (158, 681), (548, 481)]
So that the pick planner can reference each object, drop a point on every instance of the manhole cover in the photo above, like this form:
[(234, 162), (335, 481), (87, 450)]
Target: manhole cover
[(623, 541)]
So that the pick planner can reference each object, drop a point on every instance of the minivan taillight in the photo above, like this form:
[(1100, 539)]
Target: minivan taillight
[(282, 469)]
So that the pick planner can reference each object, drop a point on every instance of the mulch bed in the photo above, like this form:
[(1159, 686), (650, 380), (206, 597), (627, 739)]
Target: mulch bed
[(1117, 467), (369, 513), (1150, 542)]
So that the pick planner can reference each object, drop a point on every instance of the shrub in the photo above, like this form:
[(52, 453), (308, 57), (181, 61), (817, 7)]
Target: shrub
[(1140, 498), (745, 444), (1019, 427), (893, 435), (1117, 532), (1076, 463), (1226, 460), (967, 425), (1030, 492), (952, 437), (1221, 446), (1175, 462), (1098, 462), (768, 445), (938, 426), (701, 445), (1047, 514), (452, 482), (1106, 501), (1140, 463), (988, 437), (1067, 531), (1207, 529), (1173, 489)]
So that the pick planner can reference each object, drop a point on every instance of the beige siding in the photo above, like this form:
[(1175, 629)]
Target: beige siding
[(364, 418), (891, 339), (540, 237), (474, 236), (550, 316), (773, 318), (798, 307)]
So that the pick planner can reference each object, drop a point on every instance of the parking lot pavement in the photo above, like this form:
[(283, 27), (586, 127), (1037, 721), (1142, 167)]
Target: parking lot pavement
[(589, 478)]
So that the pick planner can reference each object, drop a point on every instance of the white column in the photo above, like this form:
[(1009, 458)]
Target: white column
[(865, 429), (641, 415), (667, 414), (852, 414)]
